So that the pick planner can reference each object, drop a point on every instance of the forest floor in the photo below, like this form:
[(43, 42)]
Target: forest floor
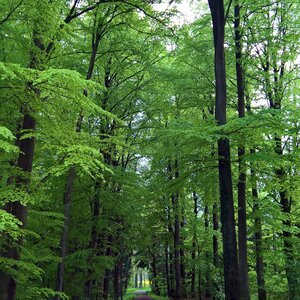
[(141, 295)]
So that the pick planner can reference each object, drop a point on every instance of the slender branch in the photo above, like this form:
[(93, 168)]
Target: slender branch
[(11, 12), (227, 11), (73, 15), (145, 12)]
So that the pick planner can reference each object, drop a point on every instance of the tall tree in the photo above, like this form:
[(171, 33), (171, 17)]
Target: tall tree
[(230, 258), (242, 217), (260, 274), (38, 57)]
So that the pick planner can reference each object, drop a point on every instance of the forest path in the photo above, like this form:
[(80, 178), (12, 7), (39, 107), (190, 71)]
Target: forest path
[(141, 295)]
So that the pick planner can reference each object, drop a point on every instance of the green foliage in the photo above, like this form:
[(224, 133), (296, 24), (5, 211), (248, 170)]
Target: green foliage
[(41, 293), (135, 118), (9, 226), (7, 149), (156, 297), (21, 270)]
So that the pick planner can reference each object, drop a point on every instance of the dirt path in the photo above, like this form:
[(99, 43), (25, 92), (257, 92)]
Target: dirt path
[(141, 295)]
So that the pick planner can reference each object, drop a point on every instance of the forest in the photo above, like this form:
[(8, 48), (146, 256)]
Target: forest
[(136, 140)]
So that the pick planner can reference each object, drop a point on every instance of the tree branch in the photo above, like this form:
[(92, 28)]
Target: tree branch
[(11, 12)]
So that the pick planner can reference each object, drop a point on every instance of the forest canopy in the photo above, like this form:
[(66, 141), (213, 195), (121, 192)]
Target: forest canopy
[(148, 138)]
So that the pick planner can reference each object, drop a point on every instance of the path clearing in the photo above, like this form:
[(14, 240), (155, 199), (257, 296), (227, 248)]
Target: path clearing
[(141, 295)]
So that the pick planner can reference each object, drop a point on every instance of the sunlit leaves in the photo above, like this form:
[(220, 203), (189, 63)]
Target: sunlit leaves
[(9, 226)]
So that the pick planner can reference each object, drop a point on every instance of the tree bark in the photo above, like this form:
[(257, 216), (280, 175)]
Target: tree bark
[(199, 279), (178, 278), (136, 279), (182, 254), (94, 239), (176, 233), (242, 217), (24, 163), (171, 258), (154, 274), (286, 202), (64, 238), (194, 247), (105, 293), (216, 247), (260, 276), (120, 266), (207, 269), (230, 258), (141, 279), (215, 237), (116, 281), (167, 270)]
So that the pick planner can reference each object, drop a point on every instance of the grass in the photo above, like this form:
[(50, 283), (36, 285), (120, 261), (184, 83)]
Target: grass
[(147, 289), (156, 297), (129, 295)]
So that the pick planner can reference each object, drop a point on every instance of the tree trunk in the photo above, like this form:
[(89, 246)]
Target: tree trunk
[(231, 270), (64, 238), (117, 274), (167, 270), (106, 279), (171, 258), (154, 275), (216, 247), (194, 247), (242, 217), (182, 267), (178, 278), (106, 285), (215, 237), (24, 163), (116, 281), (120, 265), (141, 279), (94, 238), (193, 272), (176, 234), (285, 202), (261, 290), (199, 279), (136, 279), (172, 273), (207, 267)]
